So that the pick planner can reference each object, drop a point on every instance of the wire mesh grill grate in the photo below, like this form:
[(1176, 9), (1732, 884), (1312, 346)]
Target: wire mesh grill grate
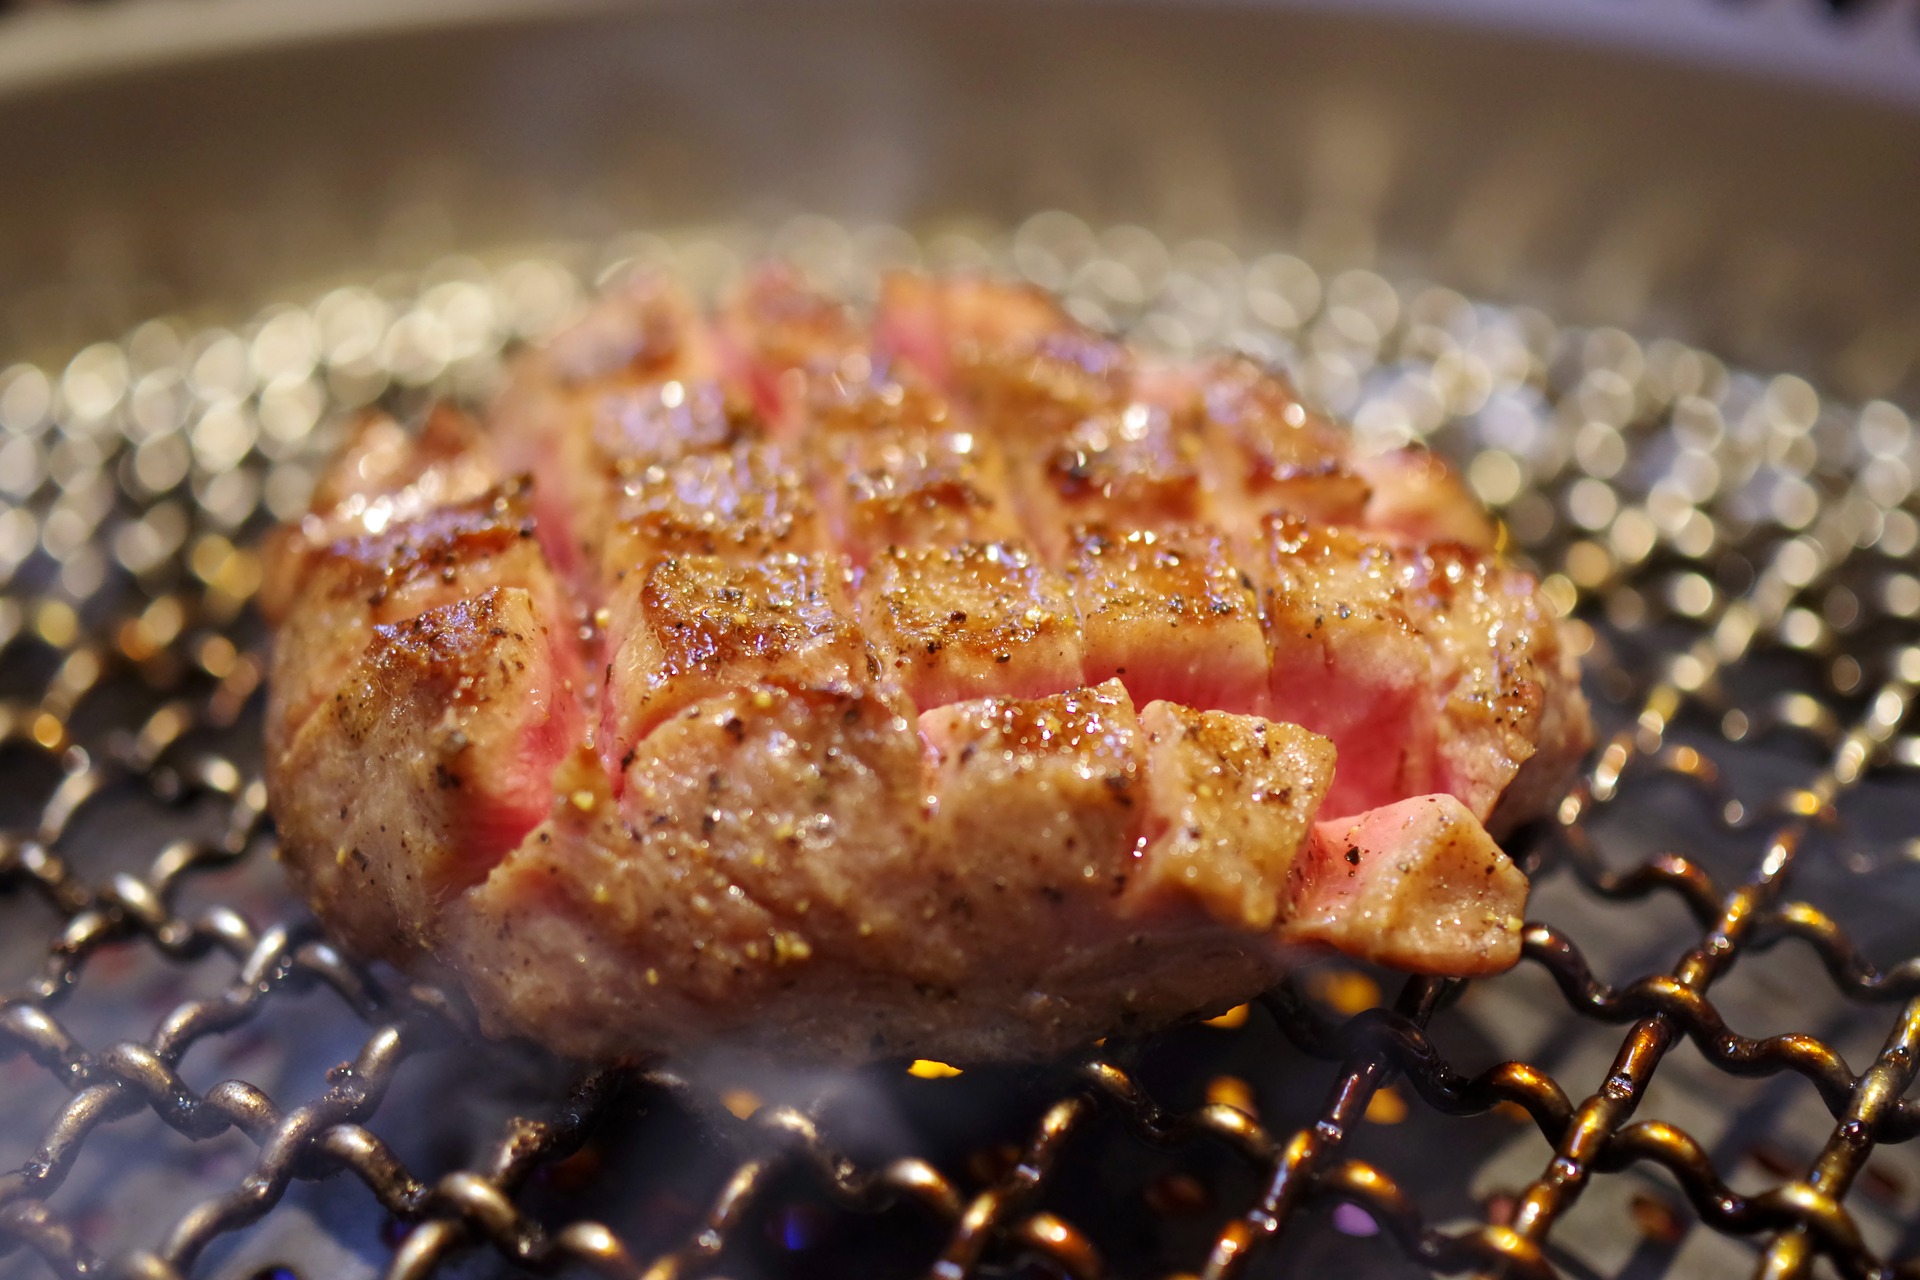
[(1738, 553)]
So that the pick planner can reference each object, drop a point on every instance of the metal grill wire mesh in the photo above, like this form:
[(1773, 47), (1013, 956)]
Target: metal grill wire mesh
[(1738, 555)]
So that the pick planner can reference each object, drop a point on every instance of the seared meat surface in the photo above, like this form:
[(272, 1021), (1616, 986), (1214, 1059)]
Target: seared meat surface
[(953, 683)]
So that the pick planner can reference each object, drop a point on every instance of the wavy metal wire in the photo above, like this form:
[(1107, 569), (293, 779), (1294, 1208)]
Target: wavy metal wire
[(1634, 473)]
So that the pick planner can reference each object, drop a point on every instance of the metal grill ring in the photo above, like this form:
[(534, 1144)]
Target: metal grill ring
[(1737, 550)]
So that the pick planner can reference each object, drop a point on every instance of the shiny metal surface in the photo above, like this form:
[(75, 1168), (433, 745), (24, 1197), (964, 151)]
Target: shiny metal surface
[(1699, 1068), (1739, 550)]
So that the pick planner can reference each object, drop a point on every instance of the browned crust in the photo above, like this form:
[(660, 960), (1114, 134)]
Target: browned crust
[(799, 823)]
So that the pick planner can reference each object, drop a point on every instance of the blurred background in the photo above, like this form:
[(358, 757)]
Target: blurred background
[(1742, 171)]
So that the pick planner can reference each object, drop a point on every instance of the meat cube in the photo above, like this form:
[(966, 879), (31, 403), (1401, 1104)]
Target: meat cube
[(688, 627), (919, 487), (1230, 802), (1170, 615), (951, 623)]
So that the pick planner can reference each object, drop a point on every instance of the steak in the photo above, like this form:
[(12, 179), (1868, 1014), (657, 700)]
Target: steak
[(950, 682)]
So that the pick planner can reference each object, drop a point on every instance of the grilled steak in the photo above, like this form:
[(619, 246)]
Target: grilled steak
[(953, 683)]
